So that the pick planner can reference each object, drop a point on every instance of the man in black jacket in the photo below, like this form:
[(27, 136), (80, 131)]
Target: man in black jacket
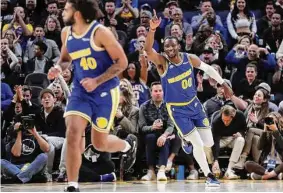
[(228, 129), (51, 123)]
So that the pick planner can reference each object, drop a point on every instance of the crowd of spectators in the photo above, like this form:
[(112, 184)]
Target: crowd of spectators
[(241, 39)]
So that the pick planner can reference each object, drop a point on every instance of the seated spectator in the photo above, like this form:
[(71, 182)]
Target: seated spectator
[(255, 114), (6, 96), (265, 22), (241, 21), (206, 88), (273, 35), (52, 52), (228, 130), (6, 12), (177, 32), (272, 107), (52, 9), (136, 73), (177, 18), (219, 100), (270, 143), (126, 119), (260, 56), (246, 87), (201, 19), (28, 154), (155, 126), (39, 63), (277, 80), (52, 29), (51, 123)]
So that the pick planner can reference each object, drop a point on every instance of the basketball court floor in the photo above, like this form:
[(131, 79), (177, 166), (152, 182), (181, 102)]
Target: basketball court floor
[(139, 186)]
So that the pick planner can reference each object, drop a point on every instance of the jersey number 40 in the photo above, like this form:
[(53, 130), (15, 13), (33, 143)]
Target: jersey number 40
[(88, 63)]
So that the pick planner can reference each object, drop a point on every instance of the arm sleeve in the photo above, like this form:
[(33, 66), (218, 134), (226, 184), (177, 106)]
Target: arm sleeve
[(211, 72)]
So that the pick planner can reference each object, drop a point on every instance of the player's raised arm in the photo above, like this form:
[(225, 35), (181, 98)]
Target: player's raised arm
[(197, 63), (64, 60), (151, 53), (112, 46)]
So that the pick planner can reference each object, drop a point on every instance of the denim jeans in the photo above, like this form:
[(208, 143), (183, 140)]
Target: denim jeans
[(15, 170), (151, 149)]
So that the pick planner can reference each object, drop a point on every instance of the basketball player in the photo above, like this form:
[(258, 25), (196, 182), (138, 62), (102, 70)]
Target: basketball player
[(97, 58), (186, 111)]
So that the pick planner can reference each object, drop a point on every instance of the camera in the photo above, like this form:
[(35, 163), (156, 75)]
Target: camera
[(27, 122), (268, 121)]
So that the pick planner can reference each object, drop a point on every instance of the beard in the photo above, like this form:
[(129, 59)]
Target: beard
[(70, 21)]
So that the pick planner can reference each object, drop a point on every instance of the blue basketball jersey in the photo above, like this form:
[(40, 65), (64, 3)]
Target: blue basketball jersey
[(178, 81), (141, 91), (89, 61)]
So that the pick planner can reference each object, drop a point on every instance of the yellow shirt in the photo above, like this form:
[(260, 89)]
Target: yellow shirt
[(29, 27)]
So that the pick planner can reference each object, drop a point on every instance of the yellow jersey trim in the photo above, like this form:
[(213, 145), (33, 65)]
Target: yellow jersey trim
[(92, 44), (184, 103), (80, 53), (82, 35)]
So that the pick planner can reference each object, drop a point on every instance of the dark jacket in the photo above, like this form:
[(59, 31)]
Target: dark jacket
[(30, 66), (53, 124)]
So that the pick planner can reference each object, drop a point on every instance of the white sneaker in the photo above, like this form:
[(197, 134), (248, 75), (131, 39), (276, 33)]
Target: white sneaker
[(216, 169), (161, 175), (149, 176), (230, 175), (280, 176), (193, 175)]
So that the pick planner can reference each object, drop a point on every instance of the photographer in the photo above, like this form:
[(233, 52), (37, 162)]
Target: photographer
[(28, 157), (271, 144)]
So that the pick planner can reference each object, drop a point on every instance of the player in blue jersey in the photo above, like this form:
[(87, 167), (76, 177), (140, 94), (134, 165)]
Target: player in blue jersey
[(178, 82), (97, 58)]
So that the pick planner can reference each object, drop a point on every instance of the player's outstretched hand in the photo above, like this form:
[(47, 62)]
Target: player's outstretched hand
[(228, 92), (90, 84), (53, 73), (155, 21)]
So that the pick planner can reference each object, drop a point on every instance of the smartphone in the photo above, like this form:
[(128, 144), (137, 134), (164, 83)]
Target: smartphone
[(268, 121)]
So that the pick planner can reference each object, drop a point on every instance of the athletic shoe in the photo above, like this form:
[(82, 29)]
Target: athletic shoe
[(230, 175), (62, 177), (130, 155), (71, 189), (161, 175), (212, 181), (255, 176), (280, 176), (193, 175), (108, 177), (149, 176)]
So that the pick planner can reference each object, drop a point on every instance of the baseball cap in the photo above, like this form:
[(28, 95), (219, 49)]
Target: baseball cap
[(208, 49), (172, 3), (146, 6), (264, 86), (47, 90)]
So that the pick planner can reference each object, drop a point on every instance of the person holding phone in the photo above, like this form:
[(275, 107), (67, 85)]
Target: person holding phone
[(270, 143)]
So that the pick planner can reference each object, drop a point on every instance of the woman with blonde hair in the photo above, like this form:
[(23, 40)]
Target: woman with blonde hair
[(53, 29)]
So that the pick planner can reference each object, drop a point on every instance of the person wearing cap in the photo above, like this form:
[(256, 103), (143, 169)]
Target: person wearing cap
[(51, 123), (207, 55), (228, 130), (277, 80), (146, 7), (201, 19), (265, 86)]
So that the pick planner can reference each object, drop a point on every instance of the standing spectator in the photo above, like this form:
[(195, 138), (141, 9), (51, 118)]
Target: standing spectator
[(279, 7), (273, 35), (6, 96), (278, 81), (265, 22), (201, 19), (177, 16), (52, 29), (136, 73), (177, 32), (241, 17), (228, 130), (156, 126), (52, 9), (14, 45), (271, 144), (39, 63), (28, 156), (127, 12), (52, 51)]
